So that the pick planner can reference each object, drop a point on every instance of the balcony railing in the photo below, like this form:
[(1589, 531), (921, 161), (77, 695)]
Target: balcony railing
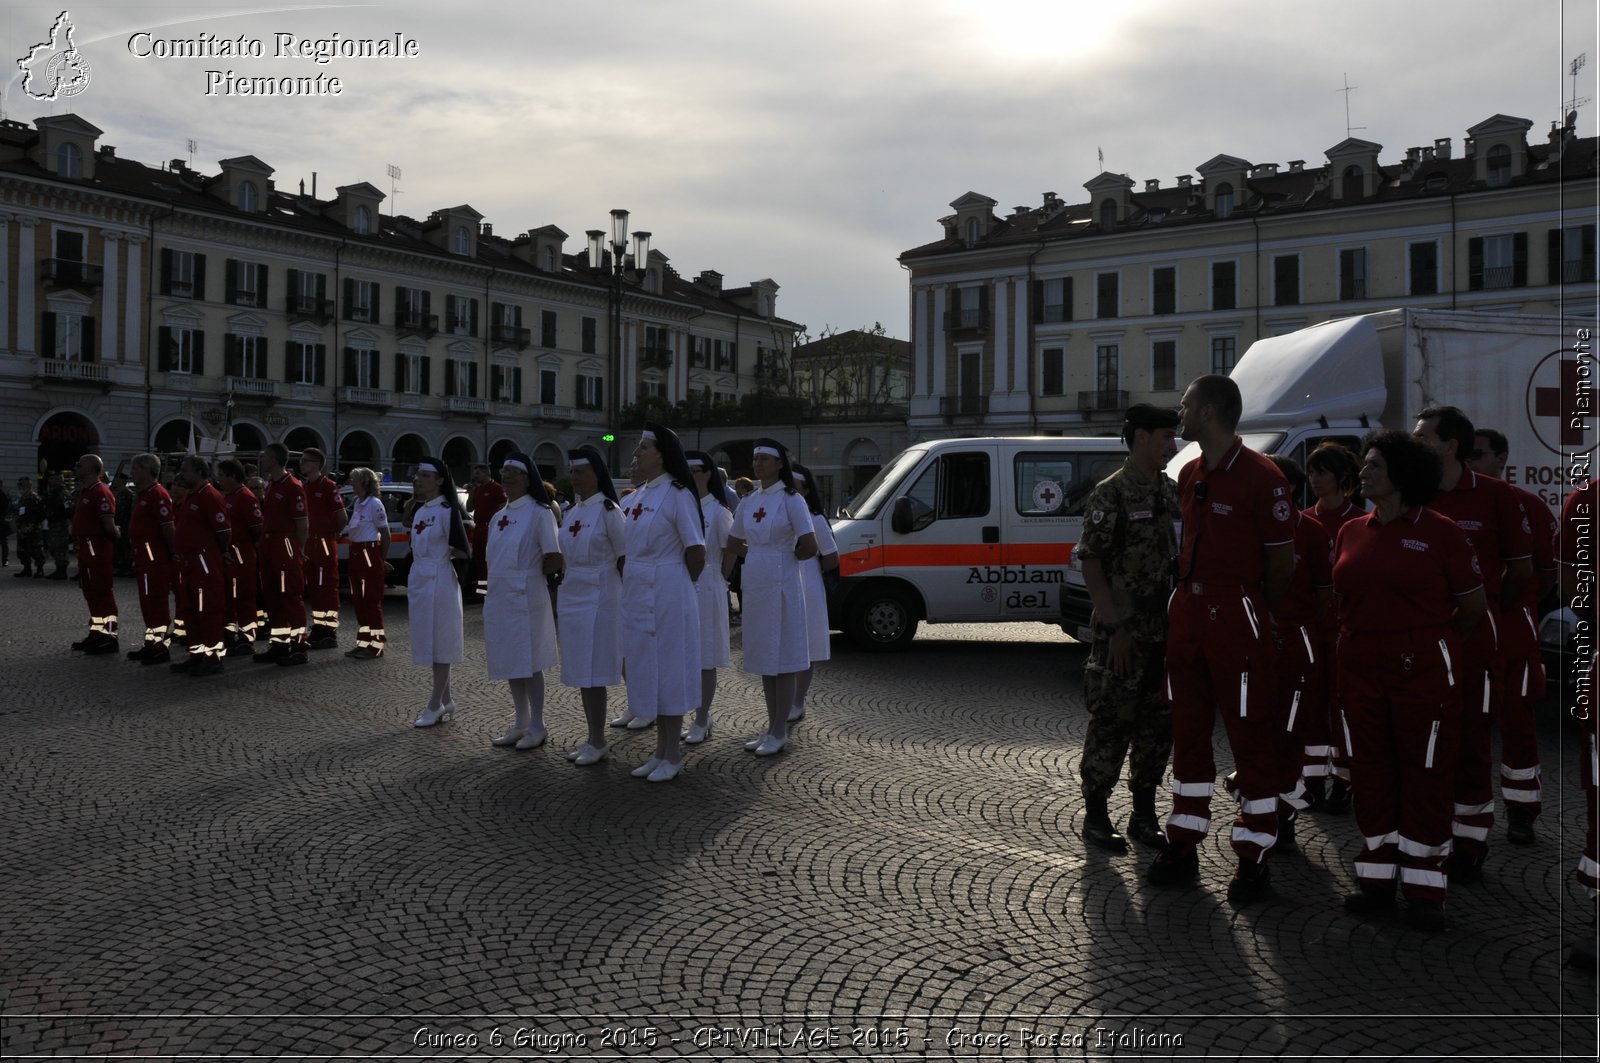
[(964, 405), (309, 308), (1577, 271), (61, 371), (511, 336), (1498, 276), (1093, 401), (1353, 288), (655, 358), (250, 386), (359, 313), (416, 321), (72, 272), (966, 319), (352, 396), (1051, 313), (466, 404)]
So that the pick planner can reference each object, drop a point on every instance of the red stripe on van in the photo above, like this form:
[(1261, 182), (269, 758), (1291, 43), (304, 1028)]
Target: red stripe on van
[(859, 562)]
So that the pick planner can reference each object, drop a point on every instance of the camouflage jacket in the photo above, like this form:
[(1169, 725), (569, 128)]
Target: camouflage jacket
[(1128, 525)]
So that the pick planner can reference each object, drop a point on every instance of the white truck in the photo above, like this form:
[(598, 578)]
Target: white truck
[(1531, 378)]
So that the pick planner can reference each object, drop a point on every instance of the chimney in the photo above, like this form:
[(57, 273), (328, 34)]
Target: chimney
[(107, 151), (1441, 147), (1051, 201), (1297, 166), (1266, 169), (1413, 156), (1427, 155), (486, 229), (177, 166), (710, 280), (1185, 180), (1018, 211), (313, 184), (1152, 184)]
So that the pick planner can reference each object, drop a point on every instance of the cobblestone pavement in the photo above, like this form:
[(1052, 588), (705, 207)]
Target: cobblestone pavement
[(274, 862)]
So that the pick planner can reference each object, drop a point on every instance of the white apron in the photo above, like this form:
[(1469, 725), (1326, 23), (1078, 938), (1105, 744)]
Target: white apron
[(589, 607), (772, 597), (519, 627), (433, 596), (711, 590), (660, 617), (817, 640)]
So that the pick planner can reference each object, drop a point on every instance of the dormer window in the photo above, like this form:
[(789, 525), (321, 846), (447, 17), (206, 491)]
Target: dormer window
[(549, 259), (462, 246), (249, 200), (1108, 213), (1224, 206), (1352, 182), (362, 222), (1499, 165), (972, 231), (69, 161)]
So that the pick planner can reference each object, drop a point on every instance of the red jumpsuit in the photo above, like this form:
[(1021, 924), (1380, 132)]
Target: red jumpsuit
[(1328, 632), (326, 517), (1491, 515), (205, 586), (278, 562), (152, 563), (94, 557), (1219, 647), (1524, 675), (1302, 661), (1580, 526), (1400, 666), (487, 500), (244, 520)]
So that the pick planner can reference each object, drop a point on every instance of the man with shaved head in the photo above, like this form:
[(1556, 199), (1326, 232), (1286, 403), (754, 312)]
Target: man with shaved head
[(94, 525)]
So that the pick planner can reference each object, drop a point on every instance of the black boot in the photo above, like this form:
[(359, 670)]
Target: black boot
[(1338, 802), (1143, 826), (1286, 818), (1368, 900), (1097, 828)]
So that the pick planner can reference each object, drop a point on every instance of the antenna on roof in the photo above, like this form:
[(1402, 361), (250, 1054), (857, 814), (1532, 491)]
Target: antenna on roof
[(394, 175), (1347, 90), (191, 152), (1572, 105)]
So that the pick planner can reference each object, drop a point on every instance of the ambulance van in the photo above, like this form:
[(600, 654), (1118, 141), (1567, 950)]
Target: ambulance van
[(964, 531)]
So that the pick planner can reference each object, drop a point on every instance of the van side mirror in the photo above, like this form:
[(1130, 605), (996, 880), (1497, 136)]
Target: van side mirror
[(901, 518)]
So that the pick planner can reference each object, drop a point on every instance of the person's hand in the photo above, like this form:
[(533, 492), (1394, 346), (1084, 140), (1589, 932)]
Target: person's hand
[(1119, 654)]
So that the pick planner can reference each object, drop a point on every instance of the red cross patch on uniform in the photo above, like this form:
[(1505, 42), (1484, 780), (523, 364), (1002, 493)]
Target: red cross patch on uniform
[(577, 526), (759, 514)]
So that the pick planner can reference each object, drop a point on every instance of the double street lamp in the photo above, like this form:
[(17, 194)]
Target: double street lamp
[(616, 266)]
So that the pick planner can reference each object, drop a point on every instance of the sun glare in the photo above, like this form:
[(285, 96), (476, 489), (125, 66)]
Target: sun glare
[(1039, 31)]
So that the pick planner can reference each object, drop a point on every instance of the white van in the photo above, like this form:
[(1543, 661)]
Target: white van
[(962, 531)]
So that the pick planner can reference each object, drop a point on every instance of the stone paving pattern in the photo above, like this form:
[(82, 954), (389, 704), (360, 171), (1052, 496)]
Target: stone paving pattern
[(274, 862)]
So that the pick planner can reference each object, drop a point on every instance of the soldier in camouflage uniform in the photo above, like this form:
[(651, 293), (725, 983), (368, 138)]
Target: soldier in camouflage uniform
[(58, 507), (30, 529), (1127, 548)]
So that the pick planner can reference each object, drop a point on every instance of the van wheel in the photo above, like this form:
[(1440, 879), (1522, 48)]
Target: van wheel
[(882, 619)]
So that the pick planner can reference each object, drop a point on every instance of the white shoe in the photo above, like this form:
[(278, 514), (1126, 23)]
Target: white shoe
[(697, 733), (588, 755), (797, 714), (430, 717), (643, 771), (510, 738), (639, 723), (756, 741), (625, 720), (573, 755), (533, 739), (770, 745), (666, 772)]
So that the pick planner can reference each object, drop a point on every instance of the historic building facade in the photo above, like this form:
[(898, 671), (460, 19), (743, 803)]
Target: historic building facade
[(1054, 318), (144, 306)]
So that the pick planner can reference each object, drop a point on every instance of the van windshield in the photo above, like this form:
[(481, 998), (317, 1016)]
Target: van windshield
[(1264, 442), (881, 488)]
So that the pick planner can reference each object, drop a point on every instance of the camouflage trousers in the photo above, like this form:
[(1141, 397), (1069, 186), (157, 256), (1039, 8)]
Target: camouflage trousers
[(1128, 718), (58, 541), (30, 548)]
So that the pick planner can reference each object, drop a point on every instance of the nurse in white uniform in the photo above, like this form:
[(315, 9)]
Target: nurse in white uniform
[(772, 530), (433, 594), (660, 616), (519, 625), (812, 573), (589, 608), (711, 589)]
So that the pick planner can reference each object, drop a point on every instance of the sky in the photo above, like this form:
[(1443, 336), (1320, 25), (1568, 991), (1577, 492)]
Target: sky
[(809, 141)]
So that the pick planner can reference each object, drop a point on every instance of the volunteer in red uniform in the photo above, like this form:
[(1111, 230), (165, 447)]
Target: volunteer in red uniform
[(94, 526), (1519, 631), (1302, 663), (202, 539), (1501, 536), (1580, 590), (1234, 563), (280, 557), (150, 535), (1333, 472), (244, 521), (484, 500), (368, 532), (326, 519), (1410, 590)]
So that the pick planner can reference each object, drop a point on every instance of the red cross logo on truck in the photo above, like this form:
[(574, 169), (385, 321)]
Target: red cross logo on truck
[(1561, 401)]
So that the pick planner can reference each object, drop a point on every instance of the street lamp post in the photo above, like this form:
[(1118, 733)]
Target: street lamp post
[(615, 267)]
